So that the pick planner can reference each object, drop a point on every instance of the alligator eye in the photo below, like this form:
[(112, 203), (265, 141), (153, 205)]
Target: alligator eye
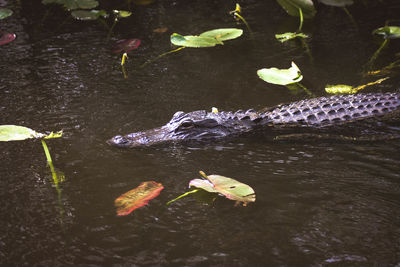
[(186, 124)]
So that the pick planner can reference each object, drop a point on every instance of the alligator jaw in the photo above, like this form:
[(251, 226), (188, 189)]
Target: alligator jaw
[(145, 138)]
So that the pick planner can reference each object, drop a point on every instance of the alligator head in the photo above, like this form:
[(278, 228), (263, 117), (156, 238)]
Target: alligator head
[(193, 126)]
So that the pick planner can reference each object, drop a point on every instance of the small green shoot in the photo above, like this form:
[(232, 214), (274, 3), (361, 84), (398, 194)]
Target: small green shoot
[(237, 16), (118, 14), (388, 32), (348, 89), (292, 35), (18, 133)]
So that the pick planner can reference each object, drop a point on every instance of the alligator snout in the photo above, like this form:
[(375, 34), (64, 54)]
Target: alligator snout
[(118, 140)]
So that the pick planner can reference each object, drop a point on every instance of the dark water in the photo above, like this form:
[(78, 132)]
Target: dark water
[(318, 203)]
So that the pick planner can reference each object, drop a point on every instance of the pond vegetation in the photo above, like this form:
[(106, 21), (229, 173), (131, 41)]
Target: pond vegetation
[(217, 185)]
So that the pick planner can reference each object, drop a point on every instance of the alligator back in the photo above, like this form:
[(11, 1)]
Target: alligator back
[(338, 109)]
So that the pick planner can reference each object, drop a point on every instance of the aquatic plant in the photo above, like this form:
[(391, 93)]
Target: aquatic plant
[(206, 39), (348, 89), (217, 184), (238, 17), (137, 197), (283, 37), (292, 7), (84, 10), (6, 37), (290, 77), (18, 133), (5, 12), (388, 32)]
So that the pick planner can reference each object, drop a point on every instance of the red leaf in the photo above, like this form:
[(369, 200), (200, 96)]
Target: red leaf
[(6, 37), (125, 45), (137, 197)]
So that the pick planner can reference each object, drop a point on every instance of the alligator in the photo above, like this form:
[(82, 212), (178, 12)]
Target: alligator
[(318, 113)]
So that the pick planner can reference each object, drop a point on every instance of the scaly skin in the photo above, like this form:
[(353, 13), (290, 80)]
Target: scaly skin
[(312, 113)]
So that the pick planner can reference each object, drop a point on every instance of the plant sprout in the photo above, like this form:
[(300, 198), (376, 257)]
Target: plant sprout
[(236, 15)]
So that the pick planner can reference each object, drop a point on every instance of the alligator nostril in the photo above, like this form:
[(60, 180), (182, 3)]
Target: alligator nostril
[(119, 140)]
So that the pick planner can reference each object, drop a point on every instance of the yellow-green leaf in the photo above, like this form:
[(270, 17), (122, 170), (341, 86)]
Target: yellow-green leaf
[(17, 133)]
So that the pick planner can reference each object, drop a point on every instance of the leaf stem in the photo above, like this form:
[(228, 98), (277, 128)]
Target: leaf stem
[(305, 89), (160, 56), (46, 151), (244, 21), (301, 20), (181, 196), (376, 54), (111, 29)]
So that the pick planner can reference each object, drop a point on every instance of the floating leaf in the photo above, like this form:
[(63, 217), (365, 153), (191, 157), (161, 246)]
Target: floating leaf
[(337, 3), (17, 133), (74, 4), (143, 2), (223, 34), (125, 45), (388, 32), (89, 14), (122, 13), (281, 76), (339, 89), (5, 12), (230, 188), (289, 35), (193, 41), (6, 37), (292, 7), (137, 197), (203, 184)]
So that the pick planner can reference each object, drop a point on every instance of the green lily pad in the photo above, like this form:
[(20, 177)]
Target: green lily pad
[(74, 4), (281, 76), (337, 3), (5, 12), (292, 7), (230, 188), (289, 36), (223, 34), (89, 14), (388, 32), (17, 133), (193, 41)]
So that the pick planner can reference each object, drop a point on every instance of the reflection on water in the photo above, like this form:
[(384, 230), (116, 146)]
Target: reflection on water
[(318, 203)]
